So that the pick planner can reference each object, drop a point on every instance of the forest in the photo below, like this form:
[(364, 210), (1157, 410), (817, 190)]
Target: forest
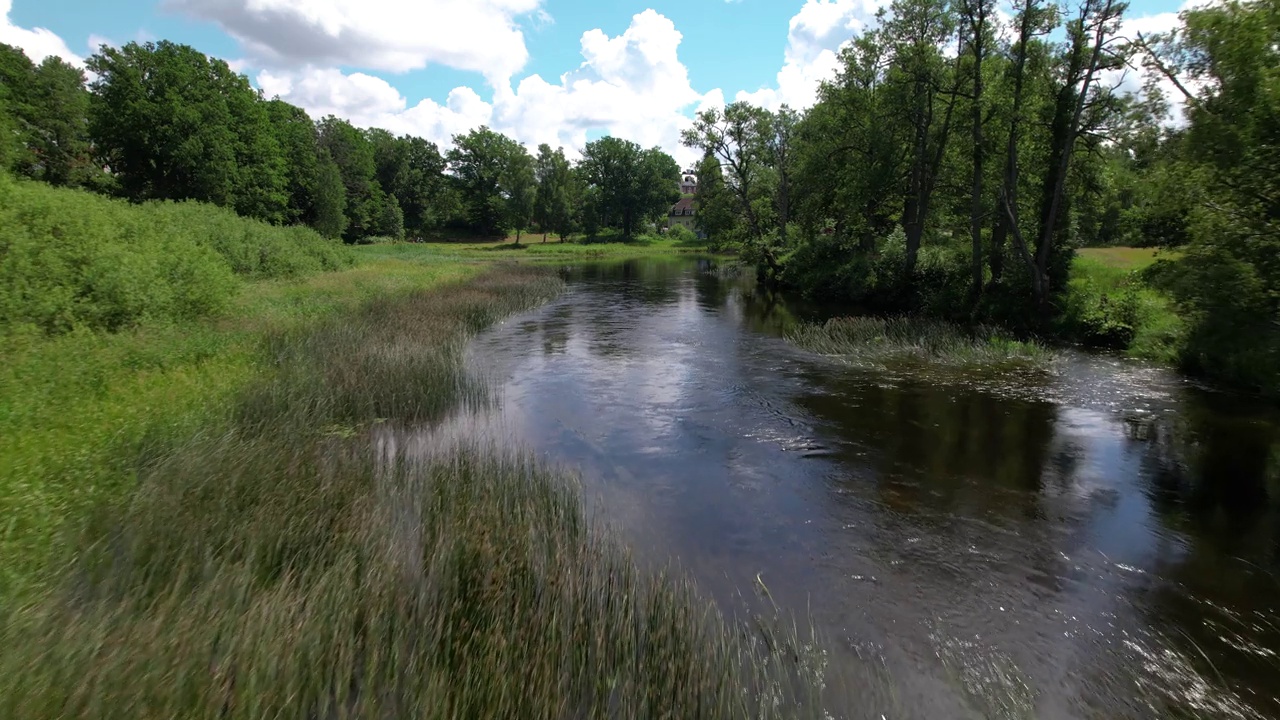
[(960, 159), (162, 121)]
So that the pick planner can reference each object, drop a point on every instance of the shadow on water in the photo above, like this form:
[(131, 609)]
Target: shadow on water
[(1099, 541)]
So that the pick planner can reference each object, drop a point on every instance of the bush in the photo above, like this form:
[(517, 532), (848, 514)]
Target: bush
[(71, 259), (682, 234)]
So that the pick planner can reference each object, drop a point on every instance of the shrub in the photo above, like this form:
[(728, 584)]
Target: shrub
[(682, 234), (69, 258)]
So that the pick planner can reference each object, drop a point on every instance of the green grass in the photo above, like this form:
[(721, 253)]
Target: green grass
[(531, 247), (880, 342), (200, 521), (278, 561), (1109, 303), (1122, 258), (76, 409)]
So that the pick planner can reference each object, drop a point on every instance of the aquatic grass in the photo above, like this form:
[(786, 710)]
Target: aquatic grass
[(270, 566), (884, 341)]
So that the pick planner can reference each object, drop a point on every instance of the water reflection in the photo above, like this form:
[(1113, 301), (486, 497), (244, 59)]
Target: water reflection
[(1102, 541)]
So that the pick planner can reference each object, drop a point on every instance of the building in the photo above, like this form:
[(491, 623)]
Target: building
[(684, 211)]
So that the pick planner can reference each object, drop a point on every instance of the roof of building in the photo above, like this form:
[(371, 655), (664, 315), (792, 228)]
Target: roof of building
[(684, 207)]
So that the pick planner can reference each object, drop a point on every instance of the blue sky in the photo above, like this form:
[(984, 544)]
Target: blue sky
[(636, 68)]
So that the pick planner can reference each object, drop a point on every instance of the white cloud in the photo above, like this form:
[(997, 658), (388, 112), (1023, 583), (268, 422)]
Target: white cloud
[(392, 35), (814, 39), (37, 43), (632, 86)]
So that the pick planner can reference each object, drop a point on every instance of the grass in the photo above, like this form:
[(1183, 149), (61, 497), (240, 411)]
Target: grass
[(203, 521), (879, 342), (610, 245), (1122, 258), (76, 409), (1109, 303)]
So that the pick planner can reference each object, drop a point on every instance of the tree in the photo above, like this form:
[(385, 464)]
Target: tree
[(1088, 38), (552, 206), (779, 144), (299, 144), (977, 36), (175, 124), (716, 205), (1223, 63), (353, 154), (59, 134), (519, 189), (631, 185), (330, 199), (924, 92), (17, 88), (479, 161)]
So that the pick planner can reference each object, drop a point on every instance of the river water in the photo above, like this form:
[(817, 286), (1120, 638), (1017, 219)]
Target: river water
[(1101, 541)]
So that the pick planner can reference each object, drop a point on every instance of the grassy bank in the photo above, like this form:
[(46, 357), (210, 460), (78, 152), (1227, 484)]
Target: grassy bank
[(531, 248), (77, 409), (201, 523)]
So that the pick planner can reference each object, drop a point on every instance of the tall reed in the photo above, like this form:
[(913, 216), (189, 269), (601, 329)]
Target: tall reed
[(281, 565)]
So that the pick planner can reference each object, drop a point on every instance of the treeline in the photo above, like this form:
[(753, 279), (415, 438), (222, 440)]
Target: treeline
[(162, 121), (958, 160)]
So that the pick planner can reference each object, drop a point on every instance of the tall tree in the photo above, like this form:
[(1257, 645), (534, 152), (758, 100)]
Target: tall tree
[(519, 188), (479, 161), (924, 86), (175, 124), (60, 130), (353, 154), (632, 184), (552, 208), (299, 144), (977, 37), (329, 207), (1086, 54)]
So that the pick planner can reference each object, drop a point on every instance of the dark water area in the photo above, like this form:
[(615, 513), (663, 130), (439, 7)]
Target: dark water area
[(1102, 540)]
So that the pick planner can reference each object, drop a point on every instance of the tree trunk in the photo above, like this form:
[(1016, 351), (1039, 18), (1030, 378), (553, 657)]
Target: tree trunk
[(978, 30)]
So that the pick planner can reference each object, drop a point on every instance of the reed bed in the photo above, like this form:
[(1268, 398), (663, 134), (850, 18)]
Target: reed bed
[(884, 341), (279, 566)]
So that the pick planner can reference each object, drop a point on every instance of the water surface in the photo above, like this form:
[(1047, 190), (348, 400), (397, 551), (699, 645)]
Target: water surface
[(1100, 541)]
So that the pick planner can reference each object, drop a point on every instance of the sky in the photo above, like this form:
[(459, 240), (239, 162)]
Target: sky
[(561, 72)]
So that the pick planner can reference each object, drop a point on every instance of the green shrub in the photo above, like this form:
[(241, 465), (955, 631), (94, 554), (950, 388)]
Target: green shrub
[(682, 234), (72, 259)]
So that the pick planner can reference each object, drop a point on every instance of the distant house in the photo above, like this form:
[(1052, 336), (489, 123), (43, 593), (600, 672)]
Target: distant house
[(684, 211)]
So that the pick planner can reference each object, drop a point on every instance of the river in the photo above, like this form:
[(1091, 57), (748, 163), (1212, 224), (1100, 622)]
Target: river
[(1100, 541)]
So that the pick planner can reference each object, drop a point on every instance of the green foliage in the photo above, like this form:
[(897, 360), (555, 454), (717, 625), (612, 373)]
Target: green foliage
[(682, 235), (1228, 278), (631, 186), (339, 598), (353, 154), (489, 166), (71, 260), (557, 196), (174, 124), (330, 199)]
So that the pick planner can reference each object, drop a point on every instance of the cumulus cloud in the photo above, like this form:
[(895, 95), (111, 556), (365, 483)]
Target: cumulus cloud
[(393, 35), (37, 43), (814, 38), (631, 85)]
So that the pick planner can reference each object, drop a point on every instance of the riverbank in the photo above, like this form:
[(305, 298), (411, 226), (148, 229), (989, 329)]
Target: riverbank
[(201, 526)]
